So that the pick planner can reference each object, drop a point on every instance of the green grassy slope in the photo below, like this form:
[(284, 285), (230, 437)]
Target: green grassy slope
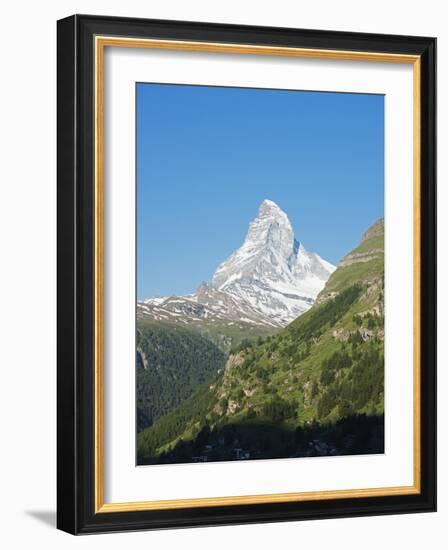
[(225, 335)]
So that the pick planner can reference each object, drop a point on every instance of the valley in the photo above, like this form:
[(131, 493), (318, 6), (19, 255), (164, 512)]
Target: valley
[(280, 355)]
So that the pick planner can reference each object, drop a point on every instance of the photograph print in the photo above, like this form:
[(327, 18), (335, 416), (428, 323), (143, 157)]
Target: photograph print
[(260, 274)]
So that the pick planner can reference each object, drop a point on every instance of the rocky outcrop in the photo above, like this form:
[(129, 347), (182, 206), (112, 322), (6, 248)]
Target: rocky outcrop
[(374, 230)]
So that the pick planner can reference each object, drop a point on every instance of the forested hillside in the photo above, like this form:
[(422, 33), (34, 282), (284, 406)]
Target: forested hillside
[(314, 388), (171, 363)]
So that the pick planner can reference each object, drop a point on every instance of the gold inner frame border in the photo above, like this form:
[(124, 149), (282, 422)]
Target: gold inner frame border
[(100, 43)]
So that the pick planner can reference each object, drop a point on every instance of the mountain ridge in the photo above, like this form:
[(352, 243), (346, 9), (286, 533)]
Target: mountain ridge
[(268, 281)]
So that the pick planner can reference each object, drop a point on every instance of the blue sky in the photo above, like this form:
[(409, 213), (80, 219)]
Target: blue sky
[(208, 156)]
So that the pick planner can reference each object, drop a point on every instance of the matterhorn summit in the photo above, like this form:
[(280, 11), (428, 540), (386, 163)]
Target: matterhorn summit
[(272, 271), (270, 280)]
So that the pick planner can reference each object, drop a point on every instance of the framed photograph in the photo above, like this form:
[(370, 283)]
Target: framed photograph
[(246, 274)]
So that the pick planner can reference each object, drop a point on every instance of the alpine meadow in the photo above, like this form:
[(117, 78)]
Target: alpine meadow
[(250, 345)]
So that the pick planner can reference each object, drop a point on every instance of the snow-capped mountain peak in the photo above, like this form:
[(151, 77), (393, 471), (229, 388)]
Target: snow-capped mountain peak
[(272, 271), (271, 279)]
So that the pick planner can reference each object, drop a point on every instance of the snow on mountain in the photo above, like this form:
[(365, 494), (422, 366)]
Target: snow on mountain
[(207, 304), (272, 271), (270, 280)]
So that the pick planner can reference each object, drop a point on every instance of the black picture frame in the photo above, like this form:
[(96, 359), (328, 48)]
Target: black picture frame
[(76, 272)]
